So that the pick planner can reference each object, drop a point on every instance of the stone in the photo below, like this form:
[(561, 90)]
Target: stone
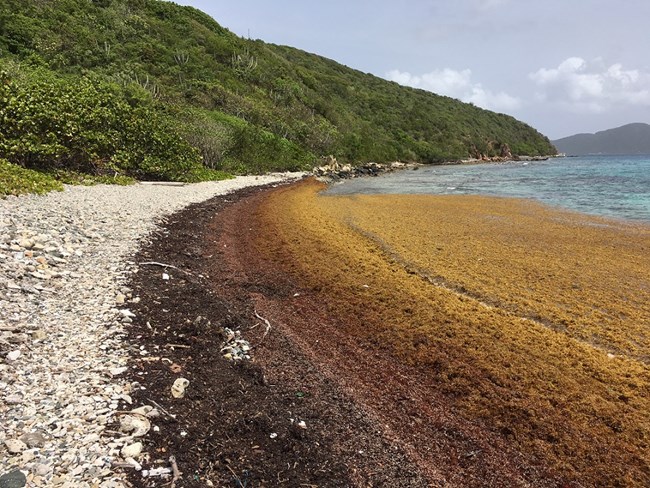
[(28, 456), (179, 386), (137, 425), (14, 399), (13, 355), (118, 371), (26, 243), (15, 446), (132, 451), (42, 469), (39, 335), (13, 479)]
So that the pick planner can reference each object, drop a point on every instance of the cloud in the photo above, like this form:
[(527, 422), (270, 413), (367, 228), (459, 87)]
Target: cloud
[(592, 86), (457, 84)]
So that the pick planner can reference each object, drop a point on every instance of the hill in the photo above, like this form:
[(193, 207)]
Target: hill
[(152, 89), (628, 139)]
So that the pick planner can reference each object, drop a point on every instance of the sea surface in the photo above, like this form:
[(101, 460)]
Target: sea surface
[(611, 186)]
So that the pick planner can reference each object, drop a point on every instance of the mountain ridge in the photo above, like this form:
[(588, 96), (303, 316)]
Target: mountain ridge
[(633, 138)]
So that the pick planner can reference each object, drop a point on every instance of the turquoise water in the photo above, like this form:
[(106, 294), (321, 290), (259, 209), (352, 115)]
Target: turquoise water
[(612, 186)]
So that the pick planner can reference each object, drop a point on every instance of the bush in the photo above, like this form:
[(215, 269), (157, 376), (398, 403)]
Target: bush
[(87, 124), (15, 180)]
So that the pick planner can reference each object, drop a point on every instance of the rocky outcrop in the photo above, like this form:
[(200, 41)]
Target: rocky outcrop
[(333, 170)]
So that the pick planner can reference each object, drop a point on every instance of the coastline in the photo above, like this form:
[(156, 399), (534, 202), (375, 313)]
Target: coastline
[(498, 392), (393, 370), (64, 260)]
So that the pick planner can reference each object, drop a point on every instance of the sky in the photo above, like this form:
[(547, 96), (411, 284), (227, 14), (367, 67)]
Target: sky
[(562, 66)]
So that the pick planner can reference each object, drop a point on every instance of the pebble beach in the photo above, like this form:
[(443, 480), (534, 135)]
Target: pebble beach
[(64, 259)]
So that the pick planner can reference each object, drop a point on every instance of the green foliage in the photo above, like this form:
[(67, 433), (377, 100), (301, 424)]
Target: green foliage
[(86, 124), (147, 88), (15, 180)]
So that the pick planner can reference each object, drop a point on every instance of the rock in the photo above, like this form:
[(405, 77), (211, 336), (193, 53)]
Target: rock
[(137, 425), (120, 299), (15, 446), (118, 371), (28, 456), (26, 243), (179, 386), (132, 451), (14, 399), (42, 470), (13, 355), (39, 335), (134, 463), (34, 439), (13, 479), (145, 410)]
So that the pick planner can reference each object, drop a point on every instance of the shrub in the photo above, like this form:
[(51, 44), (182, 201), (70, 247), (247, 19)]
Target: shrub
[(86, 124), (15, 180)]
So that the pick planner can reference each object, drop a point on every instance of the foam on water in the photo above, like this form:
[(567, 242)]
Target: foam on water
[(613, 186)]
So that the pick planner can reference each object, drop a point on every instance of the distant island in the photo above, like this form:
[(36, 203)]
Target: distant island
[(628, 139)]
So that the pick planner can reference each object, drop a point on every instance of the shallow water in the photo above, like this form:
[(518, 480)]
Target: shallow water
[(612, 186)]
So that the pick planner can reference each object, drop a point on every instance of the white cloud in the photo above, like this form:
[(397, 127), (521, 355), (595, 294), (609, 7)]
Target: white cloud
[(592, 86), (457, 84)]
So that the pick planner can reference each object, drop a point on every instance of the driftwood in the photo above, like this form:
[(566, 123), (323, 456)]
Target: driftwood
[(163, 265), (162, 183), (176, 474), (157, 405), (268, 327)]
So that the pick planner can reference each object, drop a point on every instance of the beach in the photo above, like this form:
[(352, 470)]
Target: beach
[(352, 340), (481, 341)]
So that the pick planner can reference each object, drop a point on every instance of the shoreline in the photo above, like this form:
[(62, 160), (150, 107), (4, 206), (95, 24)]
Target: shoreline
[(348, 356), (64, 259), (331, 388), (546, 187)]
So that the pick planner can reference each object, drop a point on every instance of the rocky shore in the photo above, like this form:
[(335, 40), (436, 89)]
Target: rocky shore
[(331, 170), (64, 259)]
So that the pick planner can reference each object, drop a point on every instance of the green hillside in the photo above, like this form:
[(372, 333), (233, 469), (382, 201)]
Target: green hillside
[(152, 89)]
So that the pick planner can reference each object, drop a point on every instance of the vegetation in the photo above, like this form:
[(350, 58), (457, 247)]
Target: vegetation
[(151, 89), (527, 321), (15, 180)]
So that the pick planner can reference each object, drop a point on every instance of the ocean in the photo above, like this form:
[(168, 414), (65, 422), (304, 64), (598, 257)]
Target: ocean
[(611, 186)]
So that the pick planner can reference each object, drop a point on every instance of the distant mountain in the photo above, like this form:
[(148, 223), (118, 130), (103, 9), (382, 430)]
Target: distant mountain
[(628, 139)]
